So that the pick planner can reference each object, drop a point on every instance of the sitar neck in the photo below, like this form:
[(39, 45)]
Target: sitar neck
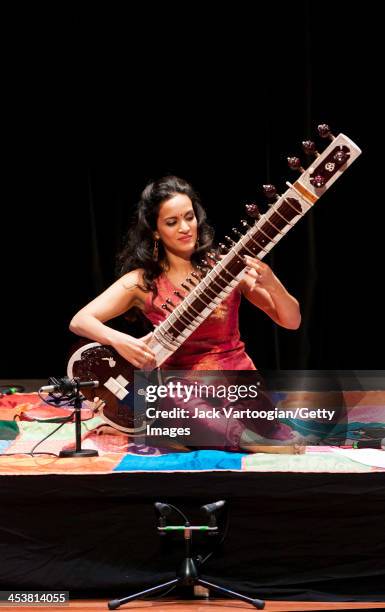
[(259, 239)]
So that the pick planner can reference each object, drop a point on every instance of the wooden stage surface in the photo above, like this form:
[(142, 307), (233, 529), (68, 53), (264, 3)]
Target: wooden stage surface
[(217, 605)]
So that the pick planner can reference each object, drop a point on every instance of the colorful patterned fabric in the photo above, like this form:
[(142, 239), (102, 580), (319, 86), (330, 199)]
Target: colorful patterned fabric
[(365, 419)]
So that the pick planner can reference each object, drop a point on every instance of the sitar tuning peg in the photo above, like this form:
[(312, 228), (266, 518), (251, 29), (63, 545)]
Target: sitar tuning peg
[(178, 294), (223, 247), (324, 131), (245, 224), (270, 192), (341, 157), (295, 164), (213, 257), (309, 148), (318, 181), (252, 211), (201, 270), (166, 307), (237, 232), (230, 240)]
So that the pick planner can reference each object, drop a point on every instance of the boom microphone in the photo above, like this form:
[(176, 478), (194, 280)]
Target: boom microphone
[(67, 385)]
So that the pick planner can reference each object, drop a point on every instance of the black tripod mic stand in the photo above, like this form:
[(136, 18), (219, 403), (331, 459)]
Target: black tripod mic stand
[(62, 391), (188, 573), (79, 451)]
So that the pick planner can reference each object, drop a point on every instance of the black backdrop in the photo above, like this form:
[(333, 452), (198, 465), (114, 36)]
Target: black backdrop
[(311, 537), (101, 103)]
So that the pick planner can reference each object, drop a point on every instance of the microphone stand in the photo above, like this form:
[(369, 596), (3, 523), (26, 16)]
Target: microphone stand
[(188, 573), (78, 452)]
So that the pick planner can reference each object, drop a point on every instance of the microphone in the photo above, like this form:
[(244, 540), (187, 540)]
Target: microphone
[(210, 508), (375, 443), (163, 509), (66, 385)]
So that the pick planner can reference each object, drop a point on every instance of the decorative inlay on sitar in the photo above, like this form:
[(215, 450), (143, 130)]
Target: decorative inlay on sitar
[(206, 291)]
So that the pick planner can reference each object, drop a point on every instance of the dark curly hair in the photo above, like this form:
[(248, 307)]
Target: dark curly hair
[(139, 244)]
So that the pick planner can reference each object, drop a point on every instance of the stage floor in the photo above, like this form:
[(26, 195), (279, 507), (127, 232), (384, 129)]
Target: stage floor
[(217, 605)]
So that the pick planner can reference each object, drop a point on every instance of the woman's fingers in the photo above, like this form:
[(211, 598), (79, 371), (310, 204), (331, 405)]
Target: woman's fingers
[(138, 357), (259, 271), (137, 351), (254, 264), (146, 358), (255, 275), (144, 349)]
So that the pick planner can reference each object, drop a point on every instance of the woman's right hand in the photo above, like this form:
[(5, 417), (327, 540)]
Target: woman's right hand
[(135, 350)]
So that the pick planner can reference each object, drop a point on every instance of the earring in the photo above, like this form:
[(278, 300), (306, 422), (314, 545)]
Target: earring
[(155, 252), (197, 244)]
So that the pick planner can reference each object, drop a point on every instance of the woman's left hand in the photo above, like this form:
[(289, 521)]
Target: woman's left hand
[(261, 273), (263, 289)]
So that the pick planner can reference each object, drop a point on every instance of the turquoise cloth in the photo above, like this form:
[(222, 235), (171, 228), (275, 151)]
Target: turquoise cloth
[(346, 431), (194, 460), (9, 430)]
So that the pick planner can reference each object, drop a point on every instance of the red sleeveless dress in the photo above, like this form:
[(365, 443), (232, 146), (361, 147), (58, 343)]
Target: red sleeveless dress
[(214, 345)]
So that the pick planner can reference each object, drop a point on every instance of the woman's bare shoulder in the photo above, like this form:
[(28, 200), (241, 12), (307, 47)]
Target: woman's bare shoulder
[(133, 281)]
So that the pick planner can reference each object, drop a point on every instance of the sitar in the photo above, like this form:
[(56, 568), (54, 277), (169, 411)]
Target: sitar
[(116, 376)]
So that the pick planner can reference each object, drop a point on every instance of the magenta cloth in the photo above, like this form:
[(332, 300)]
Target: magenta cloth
[(222, 432)]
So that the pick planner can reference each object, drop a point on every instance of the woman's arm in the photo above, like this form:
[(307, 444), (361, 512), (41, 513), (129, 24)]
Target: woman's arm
[(114, 301), (263, 289)]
